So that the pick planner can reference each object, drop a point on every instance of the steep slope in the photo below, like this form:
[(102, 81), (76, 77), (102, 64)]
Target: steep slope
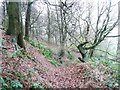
[(32, 67), (60, 77)]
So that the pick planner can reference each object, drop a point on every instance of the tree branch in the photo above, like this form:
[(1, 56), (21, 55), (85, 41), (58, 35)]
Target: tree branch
[(113, 36)]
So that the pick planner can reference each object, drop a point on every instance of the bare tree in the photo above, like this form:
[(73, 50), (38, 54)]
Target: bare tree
[(63, 25), (62, 10), (93, 33), (27, 20)]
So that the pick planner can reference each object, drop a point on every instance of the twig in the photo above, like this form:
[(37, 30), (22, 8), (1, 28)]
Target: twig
[(106, 52)]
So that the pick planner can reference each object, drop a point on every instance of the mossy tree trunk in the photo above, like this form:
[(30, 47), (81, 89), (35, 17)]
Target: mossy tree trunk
[(14, 27)]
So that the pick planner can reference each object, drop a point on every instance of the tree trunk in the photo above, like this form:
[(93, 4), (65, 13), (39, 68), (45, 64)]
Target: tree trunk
[(48, 25), (14, 28), (27, 21), (4, 14), (81, 51), (63, 30), (10, 12), (118, 45), (91, 51)]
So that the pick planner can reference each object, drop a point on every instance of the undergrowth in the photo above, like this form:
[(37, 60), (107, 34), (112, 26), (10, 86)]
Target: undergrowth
[(13, 78), (108, 68), (9, 80), (47, 52)]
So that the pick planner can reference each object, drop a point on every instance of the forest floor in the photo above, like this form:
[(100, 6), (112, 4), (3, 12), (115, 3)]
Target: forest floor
[(38, 69)]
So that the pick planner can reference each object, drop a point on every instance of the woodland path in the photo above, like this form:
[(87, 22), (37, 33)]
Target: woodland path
[(62, 76), (71, 76)]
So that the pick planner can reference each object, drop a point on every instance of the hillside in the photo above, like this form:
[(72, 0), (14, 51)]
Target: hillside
[(34, 69)]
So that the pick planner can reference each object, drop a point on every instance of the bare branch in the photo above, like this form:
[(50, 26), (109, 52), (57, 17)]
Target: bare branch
[(36, 18), (113, 36)]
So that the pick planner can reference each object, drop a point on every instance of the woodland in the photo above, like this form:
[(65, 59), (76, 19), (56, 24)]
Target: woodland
[(59, 44)]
